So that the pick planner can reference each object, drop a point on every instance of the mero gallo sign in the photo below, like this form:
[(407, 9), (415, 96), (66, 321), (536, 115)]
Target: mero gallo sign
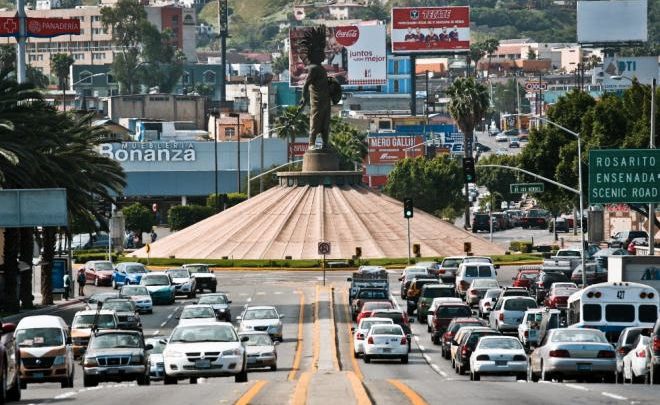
[(430, 29), (389, 149), (624, 176)]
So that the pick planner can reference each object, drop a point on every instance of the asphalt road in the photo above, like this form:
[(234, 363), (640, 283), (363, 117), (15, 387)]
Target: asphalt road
[(428, 378)]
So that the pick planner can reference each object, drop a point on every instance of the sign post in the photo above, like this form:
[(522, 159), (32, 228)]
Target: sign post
[(523, 188), (324, 249)]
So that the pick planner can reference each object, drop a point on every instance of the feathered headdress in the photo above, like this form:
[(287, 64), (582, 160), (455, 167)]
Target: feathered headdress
[(313, 41)]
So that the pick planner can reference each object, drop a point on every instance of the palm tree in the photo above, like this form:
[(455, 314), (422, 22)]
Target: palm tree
[(349, 143), (468, 103), (60, 64), (490, 46), (292, 123), (475, 55)]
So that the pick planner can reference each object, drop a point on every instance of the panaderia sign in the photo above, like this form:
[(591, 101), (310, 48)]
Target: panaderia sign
[(150, 151)]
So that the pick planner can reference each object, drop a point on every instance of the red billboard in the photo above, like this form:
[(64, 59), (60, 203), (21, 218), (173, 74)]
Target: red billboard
[(430, 29), (8, 26), (389, 149), (52, 27), (298, 149)]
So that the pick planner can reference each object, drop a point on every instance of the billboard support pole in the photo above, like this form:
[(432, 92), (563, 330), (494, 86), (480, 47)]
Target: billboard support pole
[(652, 146), (413, 86)]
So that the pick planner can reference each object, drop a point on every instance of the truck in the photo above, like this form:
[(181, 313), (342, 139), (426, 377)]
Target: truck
[(565, 261), (636, 269), (368, 277)]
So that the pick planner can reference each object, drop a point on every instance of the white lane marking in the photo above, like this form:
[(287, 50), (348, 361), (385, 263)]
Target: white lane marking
[(426, 357), (437, 370), (66, 395), (416, 338), (395, 302), (577, 387), (170, 316), (261, 293), (614, 396), (278, 293), (155, 332), (162, 325), (420, 347), (243, 294)]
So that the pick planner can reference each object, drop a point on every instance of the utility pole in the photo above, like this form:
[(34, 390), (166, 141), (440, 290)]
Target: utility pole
[(223, 27), (21, 68), (652, 146)]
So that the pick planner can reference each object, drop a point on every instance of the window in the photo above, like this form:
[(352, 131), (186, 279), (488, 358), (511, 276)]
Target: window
[(110, 78), (619, 313), (471, 271), (96, 18), (185, 78), (648, 313), (98, 56), (484, 271), (230, 132), (396, 86), (209, 77), (592, 312), (395, 67)]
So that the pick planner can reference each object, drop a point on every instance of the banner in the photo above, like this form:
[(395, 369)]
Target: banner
[(430, 29), (8, 26), (388, 149), (355, 55), (52, 27)]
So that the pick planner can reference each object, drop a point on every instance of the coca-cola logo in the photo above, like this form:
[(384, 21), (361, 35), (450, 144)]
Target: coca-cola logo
[(348, 35)]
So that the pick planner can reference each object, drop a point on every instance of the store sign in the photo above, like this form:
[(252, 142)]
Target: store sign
[(298, 149), (52, 27), (624, 176), (391, 148), (8, 26), (150, 151), (430, 29)]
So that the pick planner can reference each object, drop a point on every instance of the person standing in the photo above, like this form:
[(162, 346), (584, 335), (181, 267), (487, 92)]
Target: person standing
[(81, 282), (67, 285)]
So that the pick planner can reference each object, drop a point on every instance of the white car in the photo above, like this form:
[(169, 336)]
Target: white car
[(386, 342), (434, 305), (261, 350), (184, 283), (205, 350), (508, 313), (261, 319), (361, 331), (501, 137), (498, 355), (196, 314), (471, 271), (528, 330), (565, 285), (488, 301), (636, 362)]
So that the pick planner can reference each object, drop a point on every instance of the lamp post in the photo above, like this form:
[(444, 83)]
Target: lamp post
[(73, 84), (238, 149)]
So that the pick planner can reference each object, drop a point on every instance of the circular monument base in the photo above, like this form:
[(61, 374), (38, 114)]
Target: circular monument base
[(320, 161)]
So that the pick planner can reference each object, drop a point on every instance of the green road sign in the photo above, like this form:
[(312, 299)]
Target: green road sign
[(523, 188), (624, 176)]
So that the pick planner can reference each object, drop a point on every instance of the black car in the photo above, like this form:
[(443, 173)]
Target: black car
[(414, 291), (116, 355), (623, 239), (544, 281), (481, 222), (220, 303), (127, 313)]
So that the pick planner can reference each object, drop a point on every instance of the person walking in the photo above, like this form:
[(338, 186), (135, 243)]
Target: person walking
[(67, 285), (81, 282), (154, 236)]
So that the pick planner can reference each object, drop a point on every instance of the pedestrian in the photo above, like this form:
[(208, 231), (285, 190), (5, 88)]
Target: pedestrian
[(81, 282), (67, 285), (154, 236)]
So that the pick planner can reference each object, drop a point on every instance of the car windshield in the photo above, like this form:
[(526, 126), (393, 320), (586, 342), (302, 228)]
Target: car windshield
[(258, 340), (458, 325), (197, 312), (198, 269), (499, 343), (411, 272), (368, 306), (205, 333), (39, 337), (386, 330), (372, 294), (158, 346), (130, 291), (368, 324), (438, 292), (528, 276), (156, 280), (253, 314), (581, 336), (563, 291), (396, 317), (535, 317), (101, 297), (178, 273), (213, 299), (119, 306), (519, 305), (103, 266), (451, 262), (135, 269), (116, 340), (492, 293), (454, 311), (104, 321)]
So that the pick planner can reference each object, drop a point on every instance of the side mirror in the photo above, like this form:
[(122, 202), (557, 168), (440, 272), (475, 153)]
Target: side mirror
[(163, 341), (275, 343), (228, 301), (349, 279), (244, 339), (194, 302), (281, 316), (148, 347)]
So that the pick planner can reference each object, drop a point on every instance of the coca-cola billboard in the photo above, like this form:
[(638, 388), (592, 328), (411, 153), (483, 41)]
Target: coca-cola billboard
[(347, 36)]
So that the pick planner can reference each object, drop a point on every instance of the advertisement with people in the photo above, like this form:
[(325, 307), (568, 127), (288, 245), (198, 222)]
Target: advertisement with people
[(430, 29), (355, 55)]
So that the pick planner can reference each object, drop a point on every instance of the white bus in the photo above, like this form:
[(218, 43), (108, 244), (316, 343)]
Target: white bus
[(611, 307)]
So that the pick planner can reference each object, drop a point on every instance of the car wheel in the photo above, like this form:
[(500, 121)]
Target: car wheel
[(404, 359), (144, 380), (428, 328), (521, 377), (474, 376), (170, 380), (114, 284), (355, 354), (193, 380), (3, 387), (367, 359), (14, 393), (544, 375), (90, 381), (436, 340), (213, 289), (460, 370), (530, 374), (242, 377), (273, 367)]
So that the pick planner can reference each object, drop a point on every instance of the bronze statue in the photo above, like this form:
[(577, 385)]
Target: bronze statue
[(319, 90)]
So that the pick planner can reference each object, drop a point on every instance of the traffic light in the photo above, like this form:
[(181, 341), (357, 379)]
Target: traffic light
[(417, 249), (468, 170), (407, 208)]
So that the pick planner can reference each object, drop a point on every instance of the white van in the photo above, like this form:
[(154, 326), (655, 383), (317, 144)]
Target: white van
[(46, 353), (469, 271)]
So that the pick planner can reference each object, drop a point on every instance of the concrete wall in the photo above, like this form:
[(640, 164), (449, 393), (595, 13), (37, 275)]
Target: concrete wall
[(166, 107)]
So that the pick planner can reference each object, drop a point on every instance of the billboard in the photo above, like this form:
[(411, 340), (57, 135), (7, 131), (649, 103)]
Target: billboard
[(33, 207), (298, 149), (355, 55), (390, 148), (430, 29), (612, 21), (618, 71)]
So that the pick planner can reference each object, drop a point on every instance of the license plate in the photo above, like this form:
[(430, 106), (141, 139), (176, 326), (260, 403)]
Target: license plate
[(38, 375), (205, 363), (584, 367), (500, 362), (113, 371), (387, 350), (252, 361)]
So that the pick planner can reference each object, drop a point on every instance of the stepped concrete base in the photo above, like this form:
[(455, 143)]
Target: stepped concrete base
[(320, 161)]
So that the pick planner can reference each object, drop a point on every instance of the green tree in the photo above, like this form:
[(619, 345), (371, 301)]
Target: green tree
[(8, 62), (162, 62), (497, 180), (281, 63), (292, 123), (60, 63), (474, 55), (138, 218), (490, 46), (182, 216), (349, 143)]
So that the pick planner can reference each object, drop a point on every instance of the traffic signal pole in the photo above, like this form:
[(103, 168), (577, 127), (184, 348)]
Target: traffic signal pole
[(407, 214), (408, 220)]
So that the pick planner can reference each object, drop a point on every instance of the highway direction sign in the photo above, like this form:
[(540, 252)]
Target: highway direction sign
[(624, 176), (324, 248), (522, 188)]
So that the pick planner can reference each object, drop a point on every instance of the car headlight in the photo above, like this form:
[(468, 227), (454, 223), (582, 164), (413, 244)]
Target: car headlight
[(90, 362), (137, 359), (267, 354), (172, 353), (232, 352), (130, 318), (59, 360), (221, 309)]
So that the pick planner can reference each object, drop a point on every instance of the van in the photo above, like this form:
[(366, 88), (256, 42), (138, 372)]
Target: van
[(46, 352), (470, 271), (83, 323)]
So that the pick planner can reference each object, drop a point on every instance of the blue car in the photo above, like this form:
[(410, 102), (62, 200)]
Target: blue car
[(128, 273)]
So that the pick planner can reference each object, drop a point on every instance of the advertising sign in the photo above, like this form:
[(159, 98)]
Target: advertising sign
[(388, 149), (536, 86), (355, 55), (619, 71), (33, 207), (612, 21), (298, 149), (624, 176), (60, 267), (52, 27), (430, 29), (8, 26)]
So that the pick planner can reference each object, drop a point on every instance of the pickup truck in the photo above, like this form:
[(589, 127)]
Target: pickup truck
[(565, 261), (368, 277)]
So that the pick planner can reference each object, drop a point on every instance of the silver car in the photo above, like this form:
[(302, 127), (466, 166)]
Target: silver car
[(509, 312), (573, 353), (261, 319), (261, 350), (478, 289)]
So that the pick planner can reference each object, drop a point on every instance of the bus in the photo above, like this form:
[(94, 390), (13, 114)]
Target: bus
[(611, 307)]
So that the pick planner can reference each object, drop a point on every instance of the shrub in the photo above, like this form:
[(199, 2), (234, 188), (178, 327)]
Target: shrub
[(523, 246), (230, 200), (182, 216)]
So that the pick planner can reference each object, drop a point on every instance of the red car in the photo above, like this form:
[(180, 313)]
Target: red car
[(369, 307), (99, 272), (10, 390), (558, 297), (525, 278)]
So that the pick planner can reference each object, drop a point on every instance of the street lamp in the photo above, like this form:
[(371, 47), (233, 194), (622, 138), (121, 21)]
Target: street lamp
[(73, 84), (238, 149)]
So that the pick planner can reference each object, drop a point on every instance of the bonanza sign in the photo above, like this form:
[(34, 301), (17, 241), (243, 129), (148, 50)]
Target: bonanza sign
[(430, 29)]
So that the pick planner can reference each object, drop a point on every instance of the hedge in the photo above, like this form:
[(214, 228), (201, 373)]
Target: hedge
[(182, 216), (523, 246)]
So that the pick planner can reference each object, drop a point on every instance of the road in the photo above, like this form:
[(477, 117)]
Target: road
[(316, 364)]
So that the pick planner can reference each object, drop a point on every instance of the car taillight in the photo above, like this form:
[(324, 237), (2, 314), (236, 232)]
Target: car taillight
[(606, 354), (447, 336), (359, 336), (641, 353), (501, 316), (436, 322), (519, 357), (656, 343), (441, 271), (483, 357), (404, 341), (487, 304), (465, 285), (370, 340), (621, 351), (473, 292), (561, 353), (526, 333), (464, 351)]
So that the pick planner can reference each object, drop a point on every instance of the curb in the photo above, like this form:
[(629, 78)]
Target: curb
[(42, 310)]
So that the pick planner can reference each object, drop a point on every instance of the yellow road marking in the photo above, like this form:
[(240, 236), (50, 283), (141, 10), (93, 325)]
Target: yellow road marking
[(251, 393), (361, 396), (299, 345), (300, 394), (414, 398), (349, 352)]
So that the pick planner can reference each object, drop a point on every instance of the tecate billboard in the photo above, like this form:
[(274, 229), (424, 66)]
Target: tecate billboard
[(612, 21), (355, 55), (430, 29)]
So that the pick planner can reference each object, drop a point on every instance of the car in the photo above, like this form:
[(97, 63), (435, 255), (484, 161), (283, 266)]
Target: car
[(127, 273), (654, 353), (535, 218), (544, 281), (498, 355), (523, 137), (98, 299), (205, 350), (635, 363), (501, 137), (261, 350), (414, 291), (528, 330), (398, 317), (115, 355), (487, 303), (470, 271), (573, 353), (502, 220), (443, 316), (514, 142), (197, 314), (140, 296), (550, 319), (478, 289), (428, 294), (10, 358), (364, 295), (623, 345), (501, 152), (386, 342), (458, 337), (160, 287), (525, 277), (155, 356), (602, 255), (454, 326), (561, 225), (409, 273), (184, 283), (360, 332), (466, 347), (220, 303), (557, 297), (623, 239), (126, 311), (434, 305), (85, 322), (369, 307), (431, 267), (508, 313), (595, 274), (482, 222), (98, 272), (448, 267), (204, 277), (261, 319)]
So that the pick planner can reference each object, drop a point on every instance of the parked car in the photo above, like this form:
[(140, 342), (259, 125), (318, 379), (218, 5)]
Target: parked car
[(573, 353), (502, 220), (140, 296), (525, 277), (10, 363), (220, 303), (535, 218), (478, 289), (204, 277), (454, 326), (127, 273), (360, 332), (514, 142), (560, 223), (471, 271), (261, 319), (487, 303), (498, 355), (386, 342), (428, 294), (636, 362), (622, 239), (115, 355), (261, 350), (160, 287), (481, 222), (127, 313), (184, 283), (501, 137), (98, 272), (509, 312)]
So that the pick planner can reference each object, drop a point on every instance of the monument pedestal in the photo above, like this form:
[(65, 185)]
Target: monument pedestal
[(321, 160), (320, 168)]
